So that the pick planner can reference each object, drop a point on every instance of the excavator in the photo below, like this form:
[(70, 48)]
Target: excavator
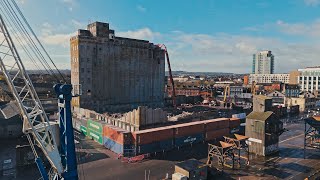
[(162, 46)]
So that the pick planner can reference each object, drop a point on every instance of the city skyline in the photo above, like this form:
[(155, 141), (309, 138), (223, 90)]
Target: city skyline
[(212, 38)]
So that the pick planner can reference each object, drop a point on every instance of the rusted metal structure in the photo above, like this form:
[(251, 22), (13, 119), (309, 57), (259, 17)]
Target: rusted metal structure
[(223, 153), (240, 147), (311, 133), (164, 47)]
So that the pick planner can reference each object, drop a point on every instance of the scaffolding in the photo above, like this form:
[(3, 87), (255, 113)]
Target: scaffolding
[(311, 134), (240, 148), (224, 154)]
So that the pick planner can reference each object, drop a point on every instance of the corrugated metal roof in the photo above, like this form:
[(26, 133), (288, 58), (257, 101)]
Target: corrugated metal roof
[(262, 116), (179, 125), (188, 124), (218, 119), (225, 145), (117, 128), (153, 129)]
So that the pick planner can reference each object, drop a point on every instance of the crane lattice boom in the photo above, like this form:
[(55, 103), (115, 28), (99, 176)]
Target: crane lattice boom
[(35, 120)]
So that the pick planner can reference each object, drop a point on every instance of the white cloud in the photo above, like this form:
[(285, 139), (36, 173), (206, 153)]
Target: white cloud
[(312, 2), (70, 4), (141, 8), (205, 52), (233, 53), (56, 39), (144, 33), (311, 29)]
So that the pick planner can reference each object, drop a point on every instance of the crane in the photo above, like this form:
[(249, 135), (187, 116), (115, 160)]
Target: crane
[(36, 125), (226, 95), (253, 88), (162, 46)]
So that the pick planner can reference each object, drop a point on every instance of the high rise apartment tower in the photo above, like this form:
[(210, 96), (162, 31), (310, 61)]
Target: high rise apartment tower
[(263, 63)]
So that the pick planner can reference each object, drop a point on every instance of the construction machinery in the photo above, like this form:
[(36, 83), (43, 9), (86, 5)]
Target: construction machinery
[(162, 46), (36, 125), (226, 96)]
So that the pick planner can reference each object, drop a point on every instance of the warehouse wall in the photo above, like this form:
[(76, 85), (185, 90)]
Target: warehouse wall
[(120, 73)]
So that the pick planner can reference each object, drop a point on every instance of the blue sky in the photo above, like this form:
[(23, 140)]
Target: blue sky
[(203, 35)]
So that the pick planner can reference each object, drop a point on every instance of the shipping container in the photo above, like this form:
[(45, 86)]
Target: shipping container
[(234, 123), (214, 124), (83, 129), (114, 146), (240, 115), (117, 134), (96, 136), (96, 126), (187, 140), (153, 135), (148, 148), (178, 176), (193, 169), (216, 134), (182, 130), (242, 129), (166, 145)]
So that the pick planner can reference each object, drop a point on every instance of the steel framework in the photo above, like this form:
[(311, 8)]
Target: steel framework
[(35, 121), (223, 153), (311, 136), (240, 147)]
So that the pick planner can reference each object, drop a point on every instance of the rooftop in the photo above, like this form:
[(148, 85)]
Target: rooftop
[(262, 116)]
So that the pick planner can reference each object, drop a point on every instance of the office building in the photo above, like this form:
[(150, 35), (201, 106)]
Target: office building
[(309, 80), (269, 78)]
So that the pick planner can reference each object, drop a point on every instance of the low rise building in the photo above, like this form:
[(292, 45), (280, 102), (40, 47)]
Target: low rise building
[(268, 78), (309, 79), (275, 86), (277, 97), (263, 130), (294, 77), (291, 90), (181, 78), (305, 101), (187, 91), (236, 91)]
